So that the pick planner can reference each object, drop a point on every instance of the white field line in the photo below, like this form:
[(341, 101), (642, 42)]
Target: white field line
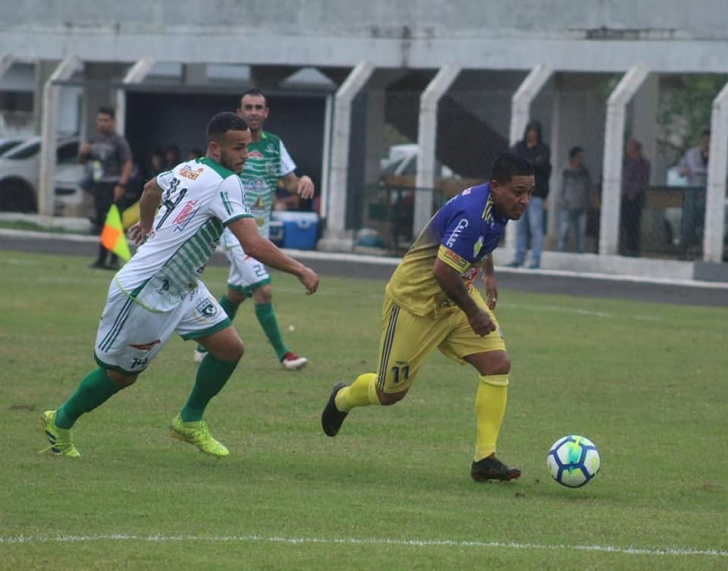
[(159, 538)]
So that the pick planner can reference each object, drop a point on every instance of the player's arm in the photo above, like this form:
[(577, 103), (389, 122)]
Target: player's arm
[(491, 286), (451, 282), (263, 250), (302, 186), (148, 205)]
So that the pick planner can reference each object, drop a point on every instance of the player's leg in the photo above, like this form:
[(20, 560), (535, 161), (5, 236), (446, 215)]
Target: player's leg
[(489, 357), (405, 343), (128, 338), (521, 241), (206, 322), (263, 298)]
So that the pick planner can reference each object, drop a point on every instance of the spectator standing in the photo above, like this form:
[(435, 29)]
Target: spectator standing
[(538, 154), (694, 166), (635, 182), (574, 201), (111, 167)]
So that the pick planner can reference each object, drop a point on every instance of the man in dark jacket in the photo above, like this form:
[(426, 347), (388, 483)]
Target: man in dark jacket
[(535, 151)]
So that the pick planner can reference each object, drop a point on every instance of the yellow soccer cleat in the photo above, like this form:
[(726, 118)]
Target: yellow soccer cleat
[(198, 434), (61, 440)]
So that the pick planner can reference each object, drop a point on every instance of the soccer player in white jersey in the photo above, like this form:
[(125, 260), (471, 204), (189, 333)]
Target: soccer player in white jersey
[(268, 164), (159, 292)]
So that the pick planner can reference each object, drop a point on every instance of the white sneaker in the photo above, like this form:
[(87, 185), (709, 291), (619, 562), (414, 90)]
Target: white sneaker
[(199, 355), (292, 362)]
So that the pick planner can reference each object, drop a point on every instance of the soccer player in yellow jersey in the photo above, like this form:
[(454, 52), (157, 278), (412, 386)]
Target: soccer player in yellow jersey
[(430, 301)]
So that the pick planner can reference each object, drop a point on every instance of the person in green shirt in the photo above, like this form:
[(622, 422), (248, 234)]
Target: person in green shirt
[(268, 165)]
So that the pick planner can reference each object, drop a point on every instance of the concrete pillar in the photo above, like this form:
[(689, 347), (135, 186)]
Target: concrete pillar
[(340, 142), (613, 153), (43, 70), (427, 141), (715, 204), (194, 74), (644, 119), (520, 115), (326, 160), (135, 74), (555, 144), (51, 90)]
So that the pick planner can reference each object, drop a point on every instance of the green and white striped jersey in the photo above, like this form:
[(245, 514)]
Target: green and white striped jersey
[(199, 199), (268, 161)]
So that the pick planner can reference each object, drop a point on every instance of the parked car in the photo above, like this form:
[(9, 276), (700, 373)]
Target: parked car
[(20, 174)]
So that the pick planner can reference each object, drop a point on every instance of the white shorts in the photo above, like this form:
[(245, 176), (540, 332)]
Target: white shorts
[(246, 274), (130, 336)]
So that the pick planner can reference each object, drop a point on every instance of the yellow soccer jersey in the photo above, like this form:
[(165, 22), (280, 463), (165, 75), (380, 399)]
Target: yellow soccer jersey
[(462, 233)]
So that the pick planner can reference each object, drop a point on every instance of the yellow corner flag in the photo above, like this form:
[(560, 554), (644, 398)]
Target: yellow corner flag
[(112, 236)]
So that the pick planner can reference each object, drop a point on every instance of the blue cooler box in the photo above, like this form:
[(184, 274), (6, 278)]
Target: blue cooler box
[(300, 229)]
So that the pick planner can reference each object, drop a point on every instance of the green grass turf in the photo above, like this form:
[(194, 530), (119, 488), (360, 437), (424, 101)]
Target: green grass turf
[(645, 382)]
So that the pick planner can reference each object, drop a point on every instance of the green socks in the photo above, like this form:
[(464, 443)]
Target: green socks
[(212, 374), (230, 308), (269, 322), (95, 389)]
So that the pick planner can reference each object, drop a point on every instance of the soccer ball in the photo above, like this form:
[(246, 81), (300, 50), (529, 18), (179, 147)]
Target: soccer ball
[(573, 461)]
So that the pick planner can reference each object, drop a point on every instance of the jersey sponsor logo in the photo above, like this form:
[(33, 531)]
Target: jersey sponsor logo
[(187, 172), (454, 259), (270, 148), (255, 155), (145, 346), (467, 191), (462, 225), (185, 215)]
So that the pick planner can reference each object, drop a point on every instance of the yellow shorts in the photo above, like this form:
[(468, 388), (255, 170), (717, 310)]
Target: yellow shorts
[(408, 339)]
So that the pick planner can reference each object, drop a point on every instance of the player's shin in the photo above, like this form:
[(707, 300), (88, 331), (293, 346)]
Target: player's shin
[(269, 322), (490, 407), (362, 392), (212, 374), (95, 389)]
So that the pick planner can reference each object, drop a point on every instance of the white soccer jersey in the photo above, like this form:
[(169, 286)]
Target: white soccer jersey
[(199, 199)]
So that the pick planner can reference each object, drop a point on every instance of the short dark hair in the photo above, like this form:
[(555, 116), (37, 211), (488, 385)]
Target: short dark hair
[(107, 110), (224, 122), (256, 93), (508, 165), (575, 151), (706, 132)]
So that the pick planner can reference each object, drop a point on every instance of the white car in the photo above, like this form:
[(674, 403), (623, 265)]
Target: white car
[(20, 173), (9, 143)]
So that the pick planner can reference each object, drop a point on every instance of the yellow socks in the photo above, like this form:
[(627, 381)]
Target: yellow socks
[(362, 392), (490, 406)]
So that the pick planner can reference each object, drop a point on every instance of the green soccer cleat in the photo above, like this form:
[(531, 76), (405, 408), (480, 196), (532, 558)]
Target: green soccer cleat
[(61, 440), (198, 434)]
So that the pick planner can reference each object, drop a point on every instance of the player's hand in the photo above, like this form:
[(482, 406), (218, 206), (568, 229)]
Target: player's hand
[(309, 279), (119, 192), (138, 233), (481, 322), (84, 150), (305, 187), (491, 291)]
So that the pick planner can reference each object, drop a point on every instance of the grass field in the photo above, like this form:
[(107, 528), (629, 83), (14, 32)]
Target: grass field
[(645, 382)]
